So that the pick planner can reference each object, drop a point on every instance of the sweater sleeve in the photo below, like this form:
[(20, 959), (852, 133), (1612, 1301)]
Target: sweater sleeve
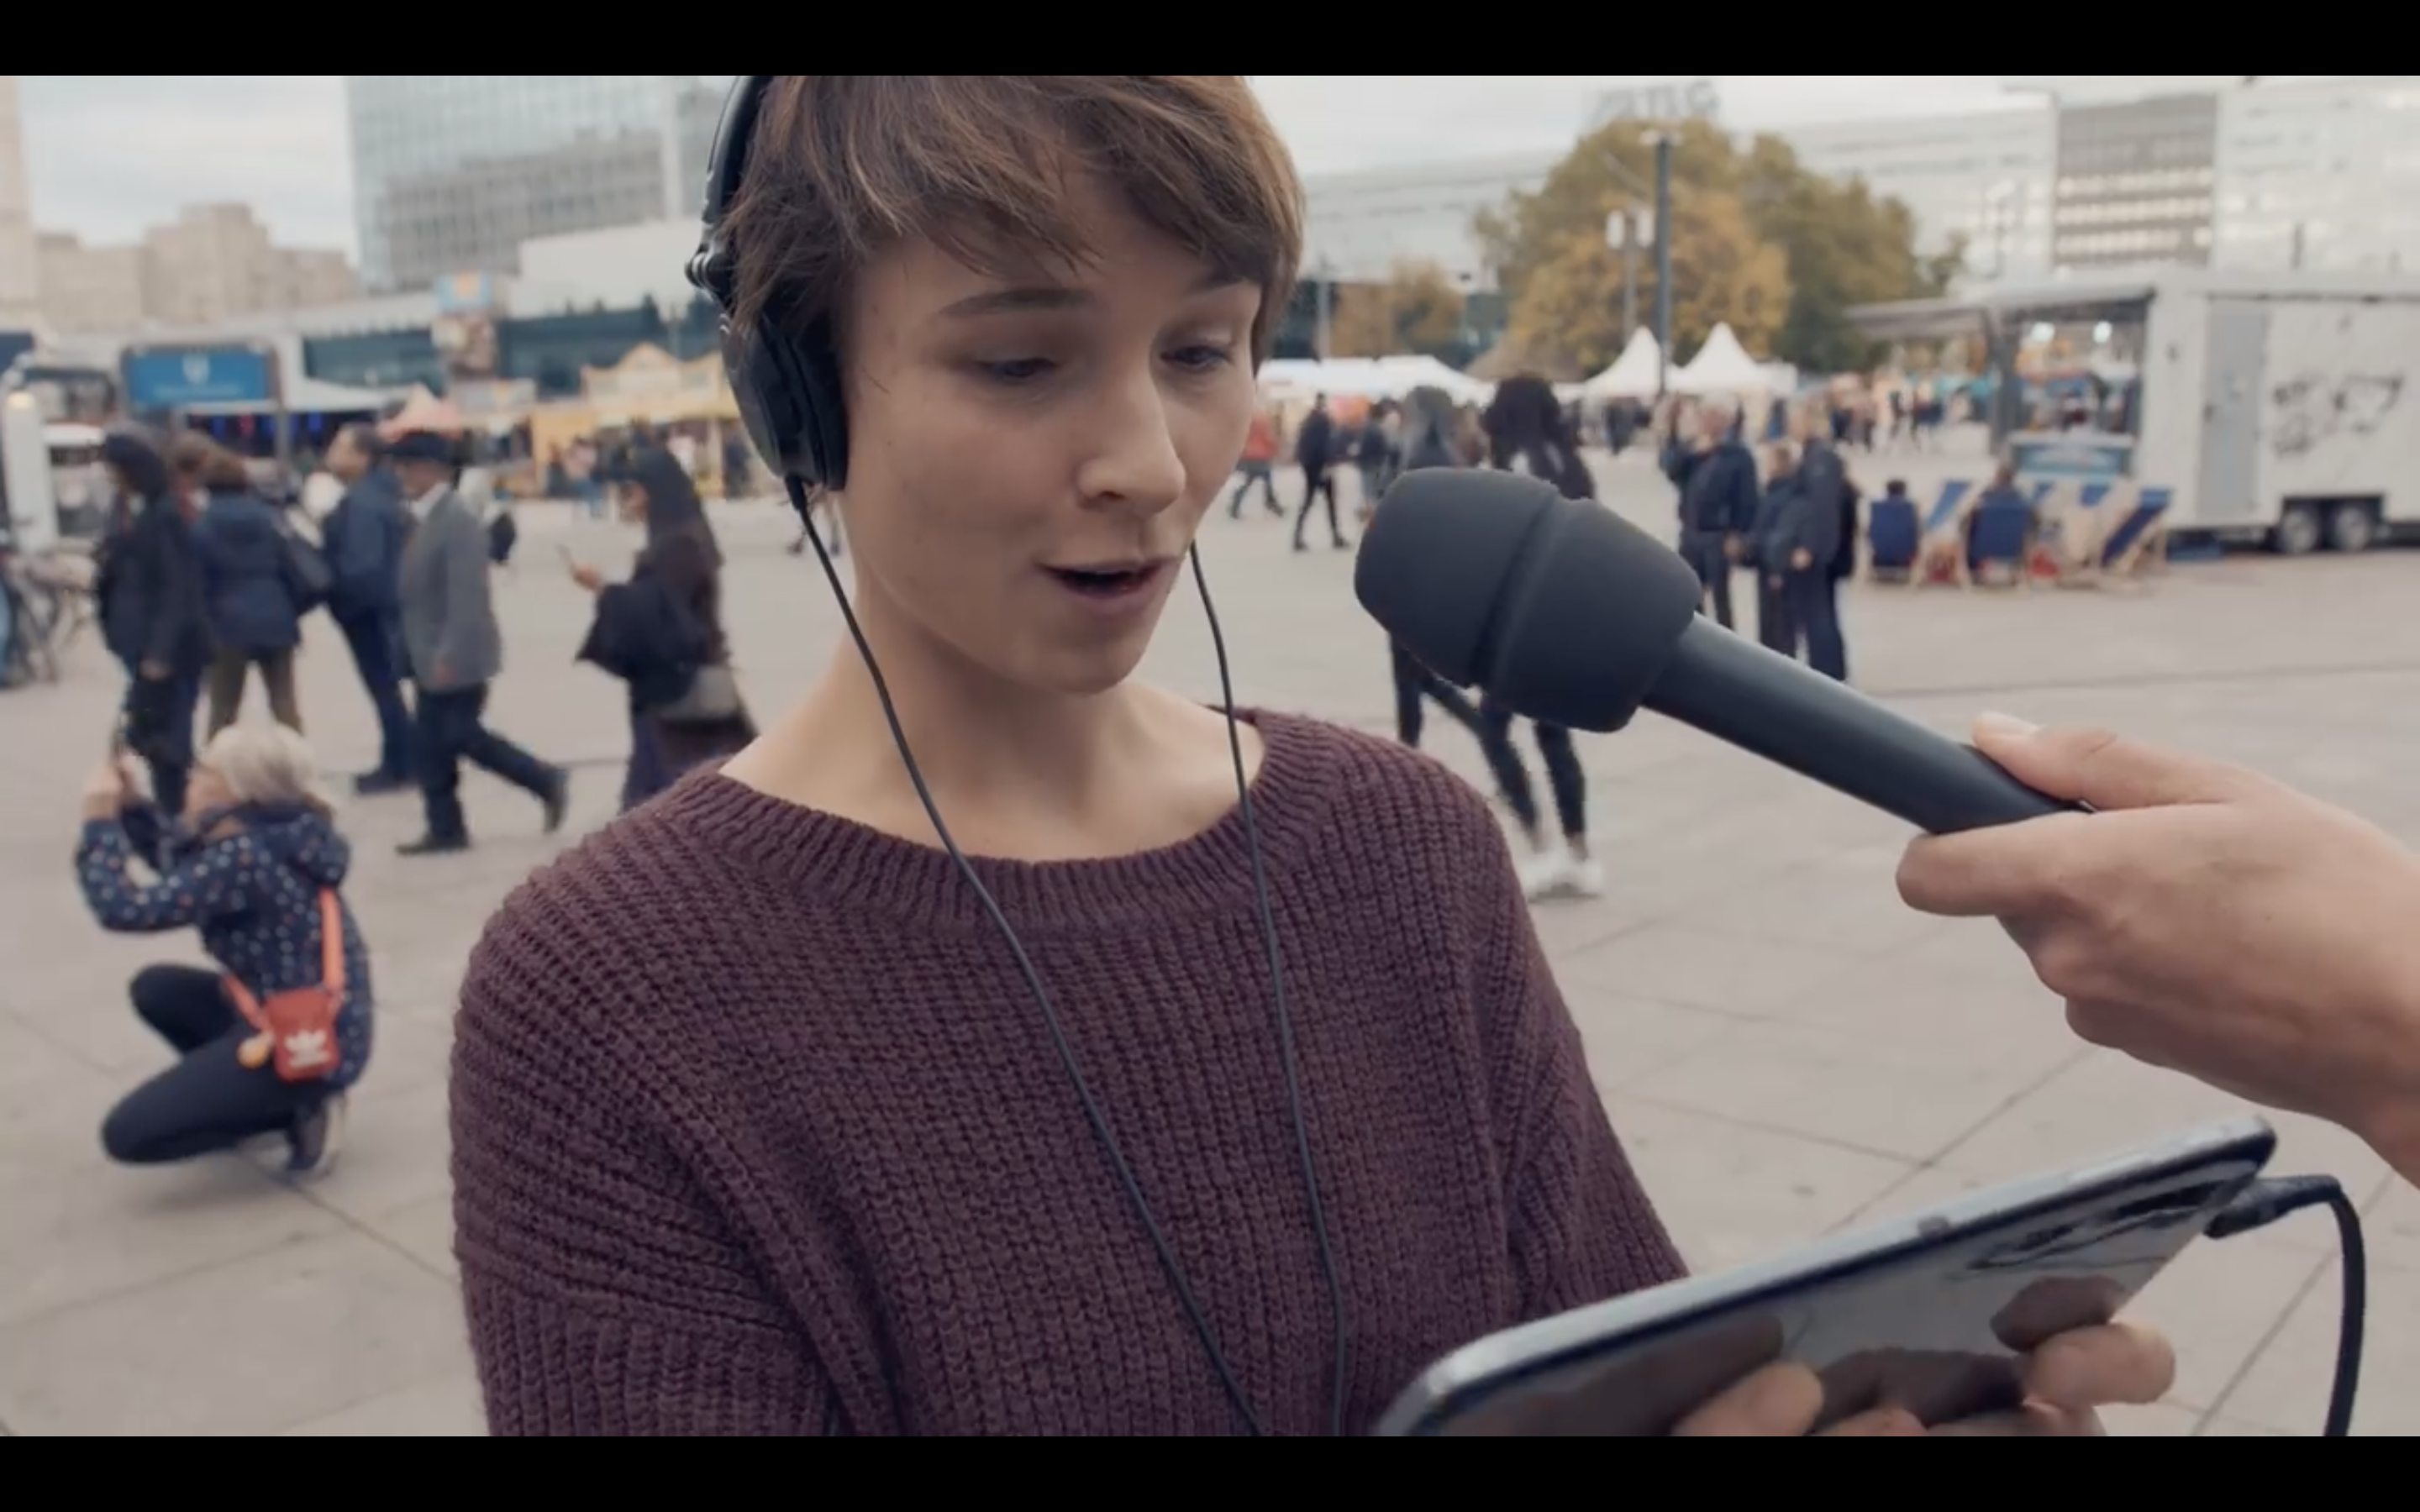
[(606, 1296), (213, 881), (1582, 1228)]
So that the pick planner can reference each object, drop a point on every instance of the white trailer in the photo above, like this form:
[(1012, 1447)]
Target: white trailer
[(2280, 408)]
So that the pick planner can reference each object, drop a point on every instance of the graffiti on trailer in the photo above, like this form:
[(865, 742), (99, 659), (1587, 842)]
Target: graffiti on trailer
[(2314, 406)]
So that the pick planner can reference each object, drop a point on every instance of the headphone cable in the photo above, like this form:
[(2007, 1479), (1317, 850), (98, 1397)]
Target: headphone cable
[(1094, 1113)]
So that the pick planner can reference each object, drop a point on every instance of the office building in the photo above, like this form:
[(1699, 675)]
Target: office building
[(616, 269), (2137, 182), (2323, 176), (1360, 225), (415, 130), (19, 264), (213, 263), (1985, 177), (2132, 171), (473, 217)]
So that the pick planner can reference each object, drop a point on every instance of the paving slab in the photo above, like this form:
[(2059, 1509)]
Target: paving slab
[(1785, 1048)]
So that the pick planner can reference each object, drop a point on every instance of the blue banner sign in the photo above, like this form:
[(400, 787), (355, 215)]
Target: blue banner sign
[(2074, 455), (172, 378)]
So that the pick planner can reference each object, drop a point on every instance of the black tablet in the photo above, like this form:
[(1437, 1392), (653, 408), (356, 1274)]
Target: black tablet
[(1929, 1312)]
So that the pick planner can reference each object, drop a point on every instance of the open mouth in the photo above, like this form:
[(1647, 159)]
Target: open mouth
[(1107, 582)]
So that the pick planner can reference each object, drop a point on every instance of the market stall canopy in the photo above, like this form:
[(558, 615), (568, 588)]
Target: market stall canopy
[(422, 411), (1723, 366), (306, 396), (652, 386), (1637, 374)]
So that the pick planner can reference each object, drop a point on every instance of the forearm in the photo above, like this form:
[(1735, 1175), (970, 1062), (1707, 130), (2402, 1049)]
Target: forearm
[(2393, 1128)]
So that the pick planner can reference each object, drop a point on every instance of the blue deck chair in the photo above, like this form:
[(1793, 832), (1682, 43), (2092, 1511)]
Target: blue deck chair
[(1893, 534), (2139, 541), (2000, 535)]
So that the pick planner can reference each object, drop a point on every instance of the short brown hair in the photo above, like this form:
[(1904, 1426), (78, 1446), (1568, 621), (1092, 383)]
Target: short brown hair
[(843, 165), (196, 456)]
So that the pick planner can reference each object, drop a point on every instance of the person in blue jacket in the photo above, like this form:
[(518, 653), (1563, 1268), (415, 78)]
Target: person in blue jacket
[(249, 594), (362, 537), (245, 868)]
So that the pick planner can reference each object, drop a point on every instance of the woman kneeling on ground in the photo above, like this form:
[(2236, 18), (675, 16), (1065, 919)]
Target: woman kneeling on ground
[(255, 867)]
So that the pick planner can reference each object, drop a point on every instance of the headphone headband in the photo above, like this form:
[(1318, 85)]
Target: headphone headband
[(710, 269), (787, 386)]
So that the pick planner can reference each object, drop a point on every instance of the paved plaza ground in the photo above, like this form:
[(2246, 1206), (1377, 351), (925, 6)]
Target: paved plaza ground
[(1786, 1048)]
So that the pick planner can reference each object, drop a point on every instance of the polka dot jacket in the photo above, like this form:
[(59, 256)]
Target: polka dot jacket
[(254, 894)]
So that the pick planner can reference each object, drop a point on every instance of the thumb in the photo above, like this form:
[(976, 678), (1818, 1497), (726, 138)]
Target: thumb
[(2102, 769)]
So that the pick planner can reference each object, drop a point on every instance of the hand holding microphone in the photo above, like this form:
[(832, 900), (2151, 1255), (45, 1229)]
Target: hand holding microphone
[(2207, 920)]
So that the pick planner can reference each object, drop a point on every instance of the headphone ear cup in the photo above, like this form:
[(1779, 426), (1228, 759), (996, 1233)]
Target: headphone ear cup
[(825, 422)]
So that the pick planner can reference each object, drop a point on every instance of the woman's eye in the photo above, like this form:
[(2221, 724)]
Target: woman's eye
[(1201, 359), (1016, 370)]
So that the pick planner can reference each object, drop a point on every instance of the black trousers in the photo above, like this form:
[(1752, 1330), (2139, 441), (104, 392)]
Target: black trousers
[(375, 642), (1314, 484), (1815, 610), (452, 730), (208, 1099), (1564, 777), (1774, 629), (1706, 557), (1414, 687)]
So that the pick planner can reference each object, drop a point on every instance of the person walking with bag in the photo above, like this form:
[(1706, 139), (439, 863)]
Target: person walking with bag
[(250, 590), (661, 634), (269, 1044)]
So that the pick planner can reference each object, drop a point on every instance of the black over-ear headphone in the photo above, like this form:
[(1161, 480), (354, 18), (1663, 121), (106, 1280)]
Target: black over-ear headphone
[(788, 387), (789, 395)]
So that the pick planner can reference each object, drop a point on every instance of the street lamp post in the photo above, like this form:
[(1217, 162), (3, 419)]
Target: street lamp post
[(1325, 275), (1662, 264)]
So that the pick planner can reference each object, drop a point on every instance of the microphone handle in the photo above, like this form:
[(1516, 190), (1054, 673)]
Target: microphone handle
[(1769, 706)]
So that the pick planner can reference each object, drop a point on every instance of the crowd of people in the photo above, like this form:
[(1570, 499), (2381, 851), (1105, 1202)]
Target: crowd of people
[(767, 1121)]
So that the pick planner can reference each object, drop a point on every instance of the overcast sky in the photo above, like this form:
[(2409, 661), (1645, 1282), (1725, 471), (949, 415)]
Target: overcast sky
[(110, 154)]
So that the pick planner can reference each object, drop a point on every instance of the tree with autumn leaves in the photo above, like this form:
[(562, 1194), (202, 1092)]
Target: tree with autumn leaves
[(1418, 309), (1779, 253)]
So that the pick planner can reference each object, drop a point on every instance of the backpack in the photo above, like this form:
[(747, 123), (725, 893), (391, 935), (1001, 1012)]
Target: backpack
[(502, 535), (298, 1026)]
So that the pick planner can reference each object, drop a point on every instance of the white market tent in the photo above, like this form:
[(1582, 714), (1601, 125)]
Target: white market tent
[(1723, 366), (1366, 377), (1633, 374)]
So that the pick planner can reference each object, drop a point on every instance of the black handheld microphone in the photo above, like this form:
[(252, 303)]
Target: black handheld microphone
[(1570, 615)]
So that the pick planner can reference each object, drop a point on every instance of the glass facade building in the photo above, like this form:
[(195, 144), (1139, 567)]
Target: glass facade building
[(417, 126), (1986, 177), (2111, 172), (2323, 177)]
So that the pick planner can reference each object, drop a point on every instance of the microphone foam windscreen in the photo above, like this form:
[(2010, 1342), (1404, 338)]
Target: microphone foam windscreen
[(1557, 607)]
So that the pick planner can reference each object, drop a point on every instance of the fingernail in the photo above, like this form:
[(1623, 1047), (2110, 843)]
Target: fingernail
[(2009, 725)]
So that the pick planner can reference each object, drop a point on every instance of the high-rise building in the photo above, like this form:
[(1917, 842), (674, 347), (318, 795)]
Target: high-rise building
[(473, 216), (20, 261), (1358, 225), (410, 126), (2323, 176), (2133, 171), (213, 263), (1985, 178)]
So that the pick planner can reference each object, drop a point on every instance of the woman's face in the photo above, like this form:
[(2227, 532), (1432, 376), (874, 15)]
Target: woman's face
[(634, 500), (1030, 455)]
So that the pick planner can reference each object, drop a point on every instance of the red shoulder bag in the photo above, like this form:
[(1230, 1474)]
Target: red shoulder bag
[(298, 1026)]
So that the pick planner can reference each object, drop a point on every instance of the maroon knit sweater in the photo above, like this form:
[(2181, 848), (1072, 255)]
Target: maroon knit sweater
[(757, 1130)]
